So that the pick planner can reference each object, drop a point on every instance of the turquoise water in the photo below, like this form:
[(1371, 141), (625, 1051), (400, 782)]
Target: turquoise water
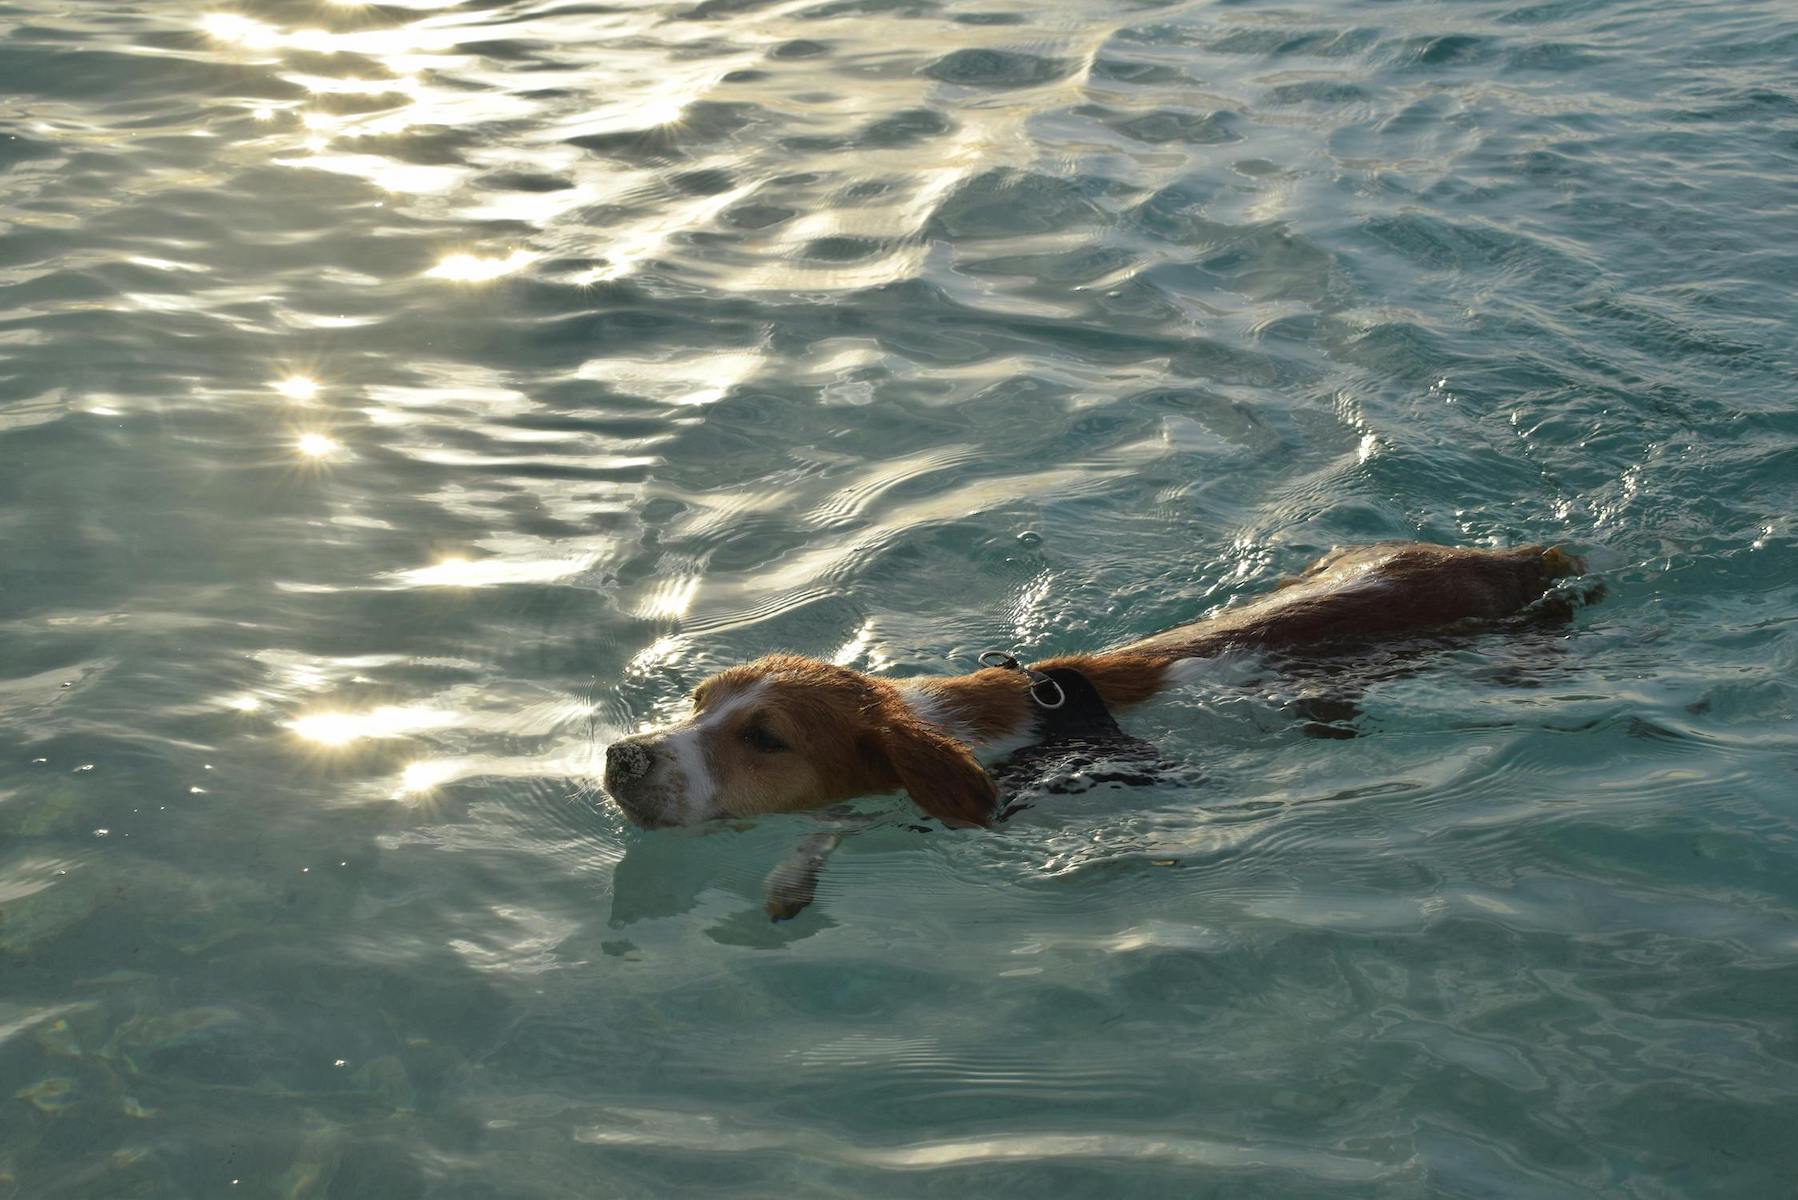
[(397, 402)]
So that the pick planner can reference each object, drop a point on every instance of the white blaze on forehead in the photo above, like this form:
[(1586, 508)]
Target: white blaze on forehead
[(715, 716), (696, 785)]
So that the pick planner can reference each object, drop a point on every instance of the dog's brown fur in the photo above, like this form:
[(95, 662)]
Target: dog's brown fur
[(841, 733)]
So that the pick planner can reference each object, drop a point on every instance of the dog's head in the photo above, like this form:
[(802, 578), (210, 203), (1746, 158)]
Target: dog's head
[(784, 734)]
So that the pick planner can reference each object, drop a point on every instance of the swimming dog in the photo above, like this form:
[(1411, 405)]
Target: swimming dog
[(788, 733)]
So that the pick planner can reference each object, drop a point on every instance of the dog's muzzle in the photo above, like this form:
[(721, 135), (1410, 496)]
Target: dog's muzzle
[(634, 783), (627, 760)]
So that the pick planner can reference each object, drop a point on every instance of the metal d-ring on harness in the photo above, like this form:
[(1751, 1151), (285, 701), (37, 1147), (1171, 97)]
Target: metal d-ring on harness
[(1042, 686), (1077, 742)]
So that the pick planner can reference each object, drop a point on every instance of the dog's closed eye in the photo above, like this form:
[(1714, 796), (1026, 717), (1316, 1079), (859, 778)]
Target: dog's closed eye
[(762, 739)]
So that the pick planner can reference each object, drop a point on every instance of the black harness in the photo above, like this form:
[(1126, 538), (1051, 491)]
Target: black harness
[(1081, 745), (1081, 748)]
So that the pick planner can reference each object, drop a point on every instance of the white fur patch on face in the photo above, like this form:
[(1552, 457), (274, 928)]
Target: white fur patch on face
[(694, 785), (691, 785)]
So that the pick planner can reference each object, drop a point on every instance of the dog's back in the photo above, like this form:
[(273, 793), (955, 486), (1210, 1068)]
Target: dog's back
[(1368, 592), (1356, 595), (788, 733)]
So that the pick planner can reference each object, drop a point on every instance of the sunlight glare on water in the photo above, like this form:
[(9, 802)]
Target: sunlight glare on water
[(401, 401)]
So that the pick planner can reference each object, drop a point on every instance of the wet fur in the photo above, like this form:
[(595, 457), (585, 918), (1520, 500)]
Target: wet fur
[(847, 734)]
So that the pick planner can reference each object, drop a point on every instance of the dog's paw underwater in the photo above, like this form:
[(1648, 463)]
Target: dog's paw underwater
[(790, 734)]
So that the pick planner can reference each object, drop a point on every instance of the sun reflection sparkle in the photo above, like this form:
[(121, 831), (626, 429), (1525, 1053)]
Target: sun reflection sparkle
[(324, 85), (861, 646), (671, 598), (296, 387), (469, 268), (463, 572), (337, 728), (317, 445), (259, 35), (231, 27), (422, 776), (665, 649)]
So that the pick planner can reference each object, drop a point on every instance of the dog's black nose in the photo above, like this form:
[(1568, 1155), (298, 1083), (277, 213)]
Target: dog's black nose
[(627, 760)]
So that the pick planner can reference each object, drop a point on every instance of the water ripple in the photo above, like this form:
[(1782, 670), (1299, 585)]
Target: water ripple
[(403, 401)]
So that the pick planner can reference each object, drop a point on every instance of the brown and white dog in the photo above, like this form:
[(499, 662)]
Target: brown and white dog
[(787, 733)]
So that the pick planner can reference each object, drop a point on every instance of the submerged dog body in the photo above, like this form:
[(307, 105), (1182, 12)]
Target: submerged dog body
[(787, 733)]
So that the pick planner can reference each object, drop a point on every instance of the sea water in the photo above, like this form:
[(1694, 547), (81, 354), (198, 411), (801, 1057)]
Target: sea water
[(400, 401)]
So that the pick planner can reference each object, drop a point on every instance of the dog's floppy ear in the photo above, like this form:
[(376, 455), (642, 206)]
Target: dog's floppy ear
[(938, 772)]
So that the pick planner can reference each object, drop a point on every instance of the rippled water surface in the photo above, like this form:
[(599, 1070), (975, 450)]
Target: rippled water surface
[(400, 401)]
